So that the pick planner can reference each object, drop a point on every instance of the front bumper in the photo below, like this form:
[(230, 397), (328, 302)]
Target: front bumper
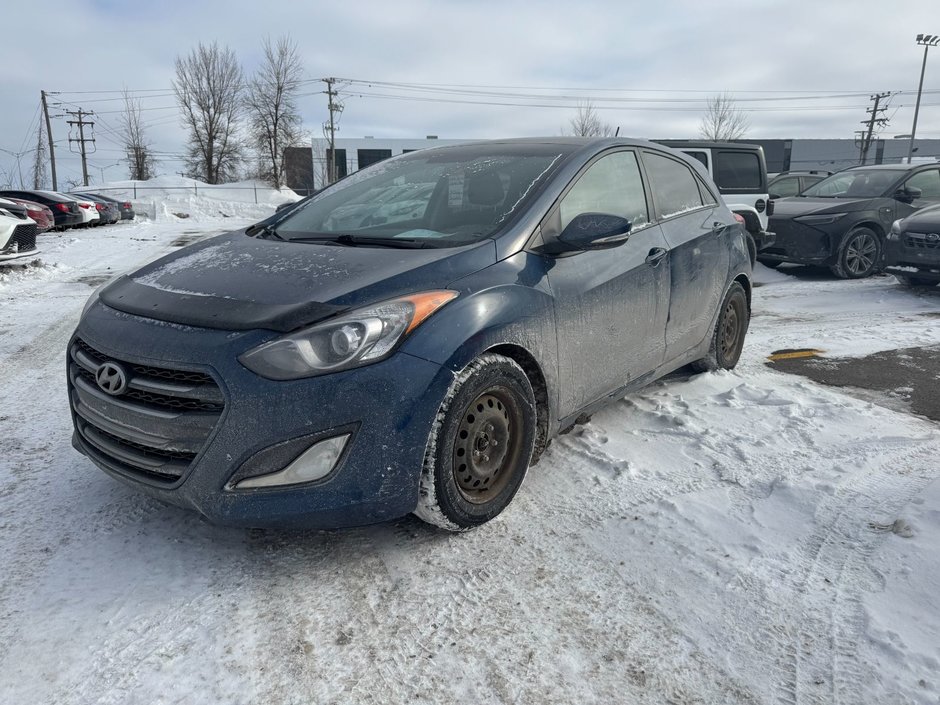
[(21, 243), (764, 239), (796, 242), (388, 407), (920, 251)]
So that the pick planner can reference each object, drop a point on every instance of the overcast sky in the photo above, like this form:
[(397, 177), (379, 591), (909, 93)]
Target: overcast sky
[(670, 54)]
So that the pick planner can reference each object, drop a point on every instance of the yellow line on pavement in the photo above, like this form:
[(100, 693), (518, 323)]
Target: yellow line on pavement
[(794, 355)]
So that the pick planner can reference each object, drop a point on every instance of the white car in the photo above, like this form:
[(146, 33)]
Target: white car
[(89, 211), (17, 235)]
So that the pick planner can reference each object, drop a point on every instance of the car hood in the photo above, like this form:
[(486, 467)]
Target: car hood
[(925, 221), (798, 205), (236, 282)]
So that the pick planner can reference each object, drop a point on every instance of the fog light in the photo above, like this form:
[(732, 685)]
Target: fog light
[(314, 463)]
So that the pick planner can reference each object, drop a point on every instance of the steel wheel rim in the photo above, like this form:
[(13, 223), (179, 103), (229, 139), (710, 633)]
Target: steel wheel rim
[(487, 445), (729, 330), (860, 253)]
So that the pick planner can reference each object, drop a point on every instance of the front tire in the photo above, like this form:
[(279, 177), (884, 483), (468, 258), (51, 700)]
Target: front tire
[(480, 445), (859, 254), (728, 337)]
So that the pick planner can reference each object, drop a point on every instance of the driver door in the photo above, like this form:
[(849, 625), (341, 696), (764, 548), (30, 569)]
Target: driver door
[(610, 305)]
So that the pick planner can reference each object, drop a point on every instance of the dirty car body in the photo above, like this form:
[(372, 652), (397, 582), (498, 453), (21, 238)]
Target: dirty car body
[(208, 377)]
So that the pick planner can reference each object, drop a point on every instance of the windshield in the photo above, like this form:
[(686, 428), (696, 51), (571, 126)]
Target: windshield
[(867, 183), (434, 198)]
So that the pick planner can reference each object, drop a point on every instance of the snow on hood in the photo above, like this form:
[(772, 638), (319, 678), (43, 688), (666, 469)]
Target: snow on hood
[(235, 281)]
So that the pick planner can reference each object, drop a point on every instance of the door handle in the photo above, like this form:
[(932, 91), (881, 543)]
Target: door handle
[(655, 256)]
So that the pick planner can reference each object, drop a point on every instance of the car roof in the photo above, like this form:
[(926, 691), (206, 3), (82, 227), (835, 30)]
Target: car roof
[(888, 167), (699, 144)]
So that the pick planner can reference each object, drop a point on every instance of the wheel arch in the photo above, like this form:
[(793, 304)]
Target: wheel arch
[(533, 371)]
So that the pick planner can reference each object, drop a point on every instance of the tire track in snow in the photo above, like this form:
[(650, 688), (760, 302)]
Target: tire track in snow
[(825, 668)]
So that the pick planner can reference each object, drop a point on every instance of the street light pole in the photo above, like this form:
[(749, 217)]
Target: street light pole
[(927, 40)]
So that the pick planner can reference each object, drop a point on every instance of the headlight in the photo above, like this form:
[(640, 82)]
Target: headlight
[(821, 219), (895, 232), (354, 339)]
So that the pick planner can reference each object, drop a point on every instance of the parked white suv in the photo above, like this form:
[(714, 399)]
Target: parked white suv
[(740, 172)]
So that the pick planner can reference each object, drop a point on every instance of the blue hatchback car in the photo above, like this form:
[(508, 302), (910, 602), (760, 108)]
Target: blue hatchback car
[(411, 338)]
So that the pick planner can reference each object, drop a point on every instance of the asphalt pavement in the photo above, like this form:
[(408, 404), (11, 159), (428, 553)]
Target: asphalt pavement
[(906, 379)]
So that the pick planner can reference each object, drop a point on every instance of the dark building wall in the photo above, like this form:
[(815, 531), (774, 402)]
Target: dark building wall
[(298, 168)]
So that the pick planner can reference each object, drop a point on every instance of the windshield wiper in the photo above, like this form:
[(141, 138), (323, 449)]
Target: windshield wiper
[(265, 232), (365, 240)]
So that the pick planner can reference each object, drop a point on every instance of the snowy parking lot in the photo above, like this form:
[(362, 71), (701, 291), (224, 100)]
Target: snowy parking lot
[(733, 537)]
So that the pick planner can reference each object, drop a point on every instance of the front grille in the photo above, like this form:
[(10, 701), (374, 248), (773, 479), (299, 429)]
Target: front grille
[(23, 240), (922, 241), (154, 428)]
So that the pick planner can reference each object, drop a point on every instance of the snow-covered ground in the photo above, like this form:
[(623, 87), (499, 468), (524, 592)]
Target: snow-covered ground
[(738, 537)]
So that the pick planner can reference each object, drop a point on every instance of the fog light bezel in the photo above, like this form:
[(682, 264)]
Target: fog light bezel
[(285, 454)]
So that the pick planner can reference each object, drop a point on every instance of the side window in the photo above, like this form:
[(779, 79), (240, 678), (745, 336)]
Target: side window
[(673, 185), (737, 170), (929, 184), (611, 185), (708, 198), (701, 156), (786, 187)]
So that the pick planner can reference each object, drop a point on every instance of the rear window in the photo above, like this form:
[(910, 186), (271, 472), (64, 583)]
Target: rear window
[(738, 171)]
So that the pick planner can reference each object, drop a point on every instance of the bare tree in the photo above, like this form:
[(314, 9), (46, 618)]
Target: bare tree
[(587, 123), (274, 122), (723, 120), (208, 88), (140, 158)]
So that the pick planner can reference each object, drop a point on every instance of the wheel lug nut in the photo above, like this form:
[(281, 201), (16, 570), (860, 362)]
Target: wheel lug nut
[(486, 458), (494, 443)]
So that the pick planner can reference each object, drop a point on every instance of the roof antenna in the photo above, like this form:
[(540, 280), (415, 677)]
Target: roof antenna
[(617, 132)]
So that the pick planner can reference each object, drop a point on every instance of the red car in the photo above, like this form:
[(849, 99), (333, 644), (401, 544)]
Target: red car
[(38, 212)]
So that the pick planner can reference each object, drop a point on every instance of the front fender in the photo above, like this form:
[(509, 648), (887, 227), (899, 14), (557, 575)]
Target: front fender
[(508, 303)]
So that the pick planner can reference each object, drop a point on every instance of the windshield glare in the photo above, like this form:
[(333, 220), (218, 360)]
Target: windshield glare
[(870, 183), (441, 197)]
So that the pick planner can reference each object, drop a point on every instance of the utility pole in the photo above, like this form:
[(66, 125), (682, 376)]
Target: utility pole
[(45, 109), (335, 108), (871, 122), (81, 137), (927, 41)]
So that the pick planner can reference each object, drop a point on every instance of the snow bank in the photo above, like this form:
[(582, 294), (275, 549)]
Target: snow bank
[(172, 198)]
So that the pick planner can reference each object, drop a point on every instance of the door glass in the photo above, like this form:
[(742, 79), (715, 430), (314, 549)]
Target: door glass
[(786, 187), (674, 187), (737, 170), (611, 185), (929, 184)]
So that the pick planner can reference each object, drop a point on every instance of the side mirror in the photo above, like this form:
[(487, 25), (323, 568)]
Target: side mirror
[(595, 231), (907, 194), (773, 195)]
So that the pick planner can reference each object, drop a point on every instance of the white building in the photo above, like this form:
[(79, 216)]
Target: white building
[(357, 153)]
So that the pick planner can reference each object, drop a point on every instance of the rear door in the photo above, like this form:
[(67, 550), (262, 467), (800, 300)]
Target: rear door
[(696, 229), (611, 305)]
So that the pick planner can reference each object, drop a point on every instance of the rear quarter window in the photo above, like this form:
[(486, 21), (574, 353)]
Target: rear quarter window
[(738, 171)]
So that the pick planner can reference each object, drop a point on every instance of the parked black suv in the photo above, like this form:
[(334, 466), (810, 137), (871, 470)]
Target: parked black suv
[(912, 248), (842, 221)]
